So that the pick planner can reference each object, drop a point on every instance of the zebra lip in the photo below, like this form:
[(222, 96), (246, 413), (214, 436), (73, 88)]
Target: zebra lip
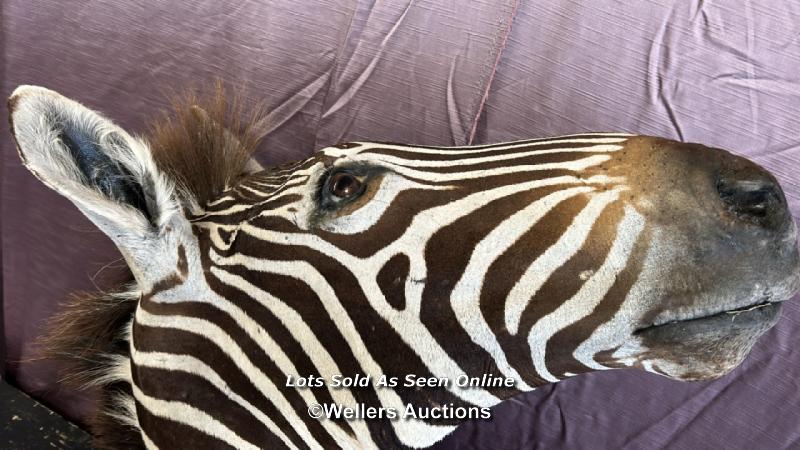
[(752, 314)]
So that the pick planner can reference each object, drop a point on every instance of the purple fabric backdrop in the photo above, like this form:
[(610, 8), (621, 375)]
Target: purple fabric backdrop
[(443, 72)]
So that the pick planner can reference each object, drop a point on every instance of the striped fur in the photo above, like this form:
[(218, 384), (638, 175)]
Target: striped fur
[(534, 260)]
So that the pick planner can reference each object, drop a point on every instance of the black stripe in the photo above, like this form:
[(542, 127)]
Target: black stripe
[(174, 341), (388, 349), (509, 267), (572, 336), (168, 434), (447, 255), (250, 348), (195, 391), (565, 281)]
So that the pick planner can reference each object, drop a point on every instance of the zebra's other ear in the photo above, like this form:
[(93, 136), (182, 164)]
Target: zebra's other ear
[(109, 175), (252, 166)]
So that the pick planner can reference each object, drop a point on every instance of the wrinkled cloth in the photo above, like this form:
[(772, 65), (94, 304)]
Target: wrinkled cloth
[(725, 74)]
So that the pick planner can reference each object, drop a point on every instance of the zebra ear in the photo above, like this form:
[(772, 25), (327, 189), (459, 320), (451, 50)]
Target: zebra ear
[(109, 175)]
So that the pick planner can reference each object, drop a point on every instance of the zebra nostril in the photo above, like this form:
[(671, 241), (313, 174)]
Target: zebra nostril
[(755, 200)]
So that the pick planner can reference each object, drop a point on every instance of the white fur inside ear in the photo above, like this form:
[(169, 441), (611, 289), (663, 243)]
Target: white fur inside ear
[(38, 118)]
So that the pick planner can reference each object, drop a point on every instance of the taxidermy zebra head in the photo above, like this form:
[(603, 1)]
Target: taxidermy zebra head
[(533, 260)]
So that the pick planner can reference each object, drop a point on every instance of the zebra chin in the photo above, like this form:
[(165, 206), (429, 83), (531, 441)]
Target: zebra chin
[(701, 348)]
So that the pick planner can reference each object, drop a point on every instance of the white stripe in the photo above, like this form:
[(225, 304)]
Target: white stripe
[(466, 295), (221, 339), (304, 335), (554, 257), (576, 166), (252, 190), (413, 433), (591, 293), (191, 416), (610, 138), (148, 444), (222, 199), (409, 162), (192, 365), (618, 329)]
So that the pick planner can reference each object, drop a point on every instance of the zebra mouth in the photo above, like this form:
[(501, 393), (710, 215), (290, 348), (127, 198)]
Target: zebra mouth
[(756, 314)]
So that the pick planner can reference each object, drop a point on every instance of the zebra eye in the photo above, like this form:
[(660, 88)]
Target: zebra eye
[(344, 185)]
